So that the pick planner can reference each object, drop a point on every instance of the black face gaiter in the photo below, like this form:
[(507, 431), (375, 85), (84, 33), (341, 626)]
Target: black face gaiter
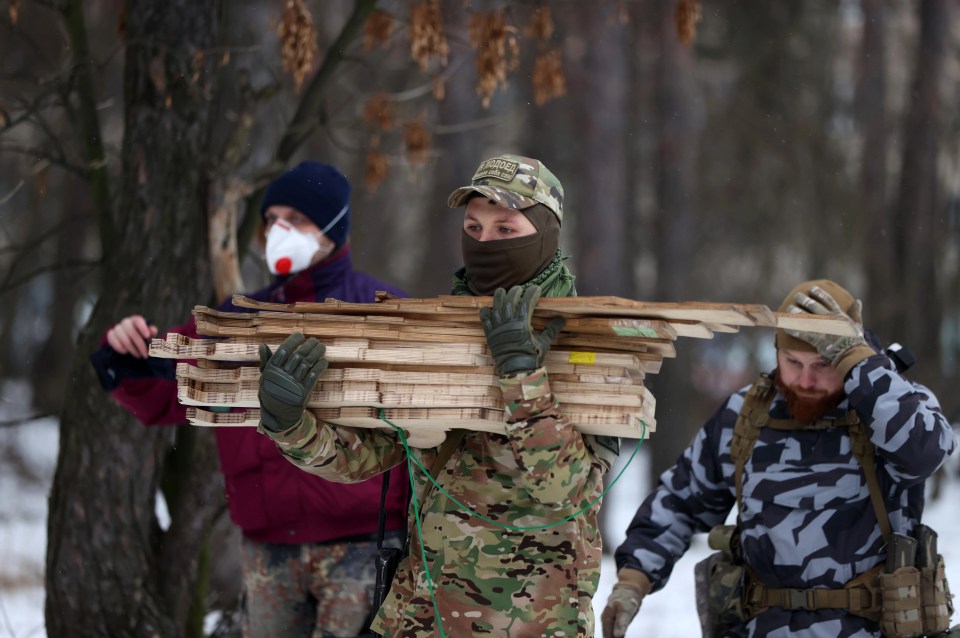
[(504, 263)]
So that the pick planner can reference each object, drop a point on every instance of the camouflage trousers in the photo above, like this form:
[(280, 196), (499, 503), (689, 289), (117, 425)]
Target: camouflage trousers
[(308, 591)]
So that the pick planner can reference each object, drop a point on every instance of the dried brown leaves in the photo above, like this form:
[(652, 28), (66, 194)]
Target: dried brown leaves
[(549, 82), (548, 79), (416, 141), (378, 112), (497, 51), (298, 41), (686, 16), (541, 24), (427, 39), (376, 168), (377, 29)]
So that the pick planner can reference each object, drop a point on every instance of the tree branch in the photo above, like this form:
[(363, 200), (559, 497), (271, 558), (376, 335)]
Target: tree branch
[(80, 171), (305, 120), (10, 283), (88, 120)]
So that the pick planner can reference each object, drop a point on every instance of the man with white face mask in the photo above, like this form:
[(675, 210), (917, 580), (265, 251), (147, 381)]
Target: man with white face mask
[(308, 545)]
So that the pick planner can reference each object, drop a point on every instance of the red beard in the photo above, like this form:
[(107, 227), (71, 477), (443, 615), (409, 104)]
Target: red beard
[(806, 409)]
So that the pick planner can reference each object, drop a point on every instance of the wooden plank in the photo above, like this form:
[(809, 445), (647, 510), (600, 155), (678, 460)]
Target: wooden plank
[(733, 314), (722, 327), (251, 374), (814, 323), (646, 328), (176, 346), (689, 328), (427, 429), (266, 322), (196, 393)]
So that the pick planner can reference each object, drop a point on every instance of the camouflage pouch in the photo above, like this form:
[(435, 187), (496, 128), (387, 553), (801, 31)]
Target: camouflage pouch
[(900, 603), (719, 584), (936, 603), (935, 600)]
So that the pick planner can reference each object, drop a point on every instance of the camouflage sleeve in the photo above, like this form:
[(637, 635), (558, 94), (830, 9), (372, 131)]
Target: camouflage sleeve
[(906, 423), (555, 460), (337, 453), (692, 496)]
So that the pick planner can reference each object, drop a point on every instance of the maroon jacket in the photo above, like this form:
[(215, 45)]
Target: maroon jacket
[(270, 499)]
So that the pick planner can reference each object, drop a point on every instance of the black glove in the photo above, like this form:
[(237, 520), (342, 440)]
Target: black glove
[(287, 378), (514, 345)]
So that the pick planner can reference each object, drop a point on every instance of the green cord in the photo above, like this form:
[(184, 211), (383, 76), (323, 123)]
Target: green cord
[(416, 505), (416, 508)]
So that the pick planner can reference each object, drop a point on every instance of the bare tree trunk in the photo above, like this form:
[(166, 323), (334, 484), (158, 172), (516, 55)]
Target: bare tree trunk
[(676, 215), (110, 569), (442, 225), (875, 215), (917, 227), (50, 370), (602, 255)]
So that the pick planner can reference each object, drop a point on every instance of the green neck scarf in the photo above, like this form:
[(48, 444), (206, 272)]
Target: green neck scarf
[(555, 280)]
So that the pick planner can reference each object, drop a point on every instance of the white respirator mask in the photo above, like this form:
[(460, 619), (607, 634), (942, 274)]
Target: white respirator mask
[(289, 250)]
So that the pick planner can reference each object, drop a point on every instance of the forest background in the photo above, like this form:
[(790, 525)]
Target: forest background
[(710, 151)]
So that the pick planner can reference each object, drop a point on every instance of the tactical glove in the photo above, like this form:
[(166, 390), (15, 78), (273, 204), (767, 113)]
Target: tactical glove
[(820, 302), (287, 378), (624, 602), (513, 344)]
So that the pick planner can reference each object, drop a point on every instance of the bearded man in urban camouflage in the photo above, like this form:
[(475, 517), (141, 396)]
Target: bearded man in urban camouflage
[(810, 536), (522, 574)]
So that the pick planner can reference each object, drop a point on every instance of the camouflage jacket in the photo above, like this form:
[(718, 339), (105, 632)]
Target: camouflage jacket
[(486, 580), (806, 519)]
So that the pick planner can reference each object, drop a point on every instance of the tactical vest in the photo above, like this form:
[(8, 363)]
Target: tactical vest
[(908, 596)]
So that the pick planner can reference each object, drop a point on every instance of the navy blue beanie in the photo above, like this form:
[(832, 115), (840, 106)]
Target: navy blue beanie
[(317, 190)]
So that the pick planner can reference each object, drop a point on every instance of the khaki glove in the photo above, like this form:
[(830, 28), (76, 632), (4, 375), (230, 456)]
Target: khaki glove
[(624, 602), (843, 352), (287, 378), (514, 345)]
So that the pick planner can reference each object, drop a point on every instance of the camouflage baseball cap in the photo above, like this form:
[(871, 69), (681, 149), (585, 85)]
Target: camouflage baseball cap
[(515, 182)]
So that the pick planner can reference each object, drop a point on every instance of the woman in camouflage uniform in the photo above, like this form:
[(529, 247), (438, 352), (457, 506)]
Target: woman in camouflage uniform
[(483, 579)]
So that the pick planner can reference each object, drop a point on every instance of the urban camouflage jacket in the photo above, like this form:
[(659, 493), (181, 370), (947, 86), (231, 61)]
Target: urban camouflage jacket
[(806, 518), (485, 580)]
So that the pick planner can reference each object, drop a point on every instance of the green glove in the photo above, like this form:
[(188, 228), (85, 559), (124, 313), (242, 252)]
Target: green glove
[(820, 302), (624, 602), (287, 378), (514, 345)]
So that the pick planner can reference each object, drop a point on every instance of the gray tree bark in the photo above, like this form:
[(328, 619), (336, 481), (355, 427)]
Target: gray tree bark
[(918, 228), (111, 571), (676, 184), (875, 211), (603, 264)]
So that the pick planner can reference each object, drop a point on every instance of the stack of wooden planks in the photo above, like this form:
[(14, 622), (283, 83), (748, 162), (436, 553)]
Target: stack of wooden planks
[(423, 364)]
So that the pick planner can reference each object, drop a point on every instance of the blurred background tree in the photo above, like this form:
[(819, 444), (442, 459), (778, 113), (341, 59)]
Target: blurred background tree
[(710, 151)]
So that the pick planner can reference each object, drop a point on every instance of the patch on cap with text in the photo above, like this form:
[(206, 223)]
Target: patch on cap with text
[(497, 168)]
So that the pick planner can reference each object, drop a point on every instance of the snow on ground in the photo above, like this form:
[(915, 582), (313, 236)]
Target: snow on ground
[(28, 456)]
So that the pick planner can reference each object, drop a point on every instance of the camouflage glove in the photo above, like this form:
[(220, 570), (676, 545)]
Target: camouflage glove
[(514, 345), (624, 602), (287, 378), (820, 302)]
